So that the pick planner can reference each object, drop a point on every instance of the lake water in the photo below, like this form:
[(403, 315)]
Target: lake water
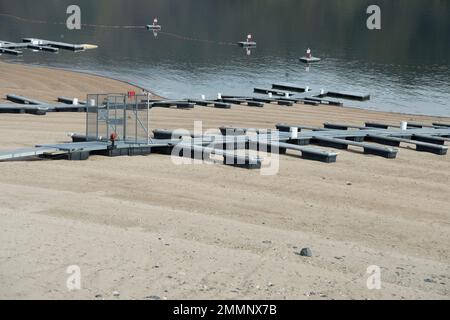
[(405, 66)]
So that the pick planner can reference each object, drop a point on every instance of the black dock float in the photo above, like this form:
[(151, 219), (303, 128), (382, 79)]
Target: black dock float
[(249, 103), (440, 124), (78, 155), (185, 105), (429, 139), (22, 100), (130, 150), (283, 127), (231, 100), (327, 158), (347, 95), (139, 151), (241, 161), (252, 103), (280, 102), (389, 153), (180, 104), (377, 125), (420, 146), (76, 137), (417, 125), (166, 150), (43, 48), (162, 104), (68, 108), (388, 141), (222, 105), (310, 102), (325, 101), (341, 126), (331, 142), (287, 87), (164, 134), (273, 92)]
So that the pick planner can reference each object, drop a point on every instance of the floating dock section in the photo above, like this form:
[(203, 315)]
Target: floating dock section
[(40, 43), (280, 94), (36, 107), (346, 95), (284, 140), (7, 47)]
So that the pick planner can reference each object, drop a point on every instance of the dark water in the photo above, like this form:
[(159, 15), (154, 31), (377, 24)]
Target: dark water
[(405, 66)]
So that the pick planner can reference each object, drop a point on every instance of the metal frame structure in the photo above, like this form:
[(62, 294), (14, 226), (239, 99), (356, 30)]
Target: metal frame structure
[(128, 116)]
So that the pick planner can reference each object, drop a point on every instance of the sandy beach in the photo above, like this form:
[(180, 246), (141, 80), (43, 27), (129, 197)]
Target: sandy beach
[(147, 228)]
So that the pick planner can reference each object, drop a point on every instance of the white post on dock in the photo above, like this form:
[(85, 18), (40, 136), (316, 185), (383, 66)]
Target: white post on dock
[(294, 133), (219, 96), (404, 125)]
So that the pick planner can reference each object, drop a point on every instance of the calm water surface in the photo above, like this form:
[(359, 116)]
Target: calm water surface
[(405, 66)]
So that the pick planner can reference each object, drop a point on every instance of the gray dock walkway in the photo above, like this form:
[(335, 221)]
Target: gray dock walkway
[(23, 100)]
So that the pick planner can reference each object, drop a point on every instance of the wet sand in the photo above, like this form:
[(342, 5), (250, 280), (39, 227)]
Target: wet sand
[(145, 227)]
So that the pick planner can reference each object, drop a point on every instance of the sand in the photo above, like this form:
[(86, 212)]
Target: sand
[(48, 84), (147, 228)]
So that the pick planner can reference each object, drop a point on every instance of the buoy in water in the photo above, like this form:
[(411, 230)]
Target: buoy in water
[(154, 26), (308, 58), (248, 43)]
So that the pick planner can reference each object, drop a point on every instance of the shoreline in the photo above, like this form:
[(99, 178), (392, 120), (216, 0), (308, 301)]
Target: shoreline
[(84, 73), (47, 83), (164, 98)]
